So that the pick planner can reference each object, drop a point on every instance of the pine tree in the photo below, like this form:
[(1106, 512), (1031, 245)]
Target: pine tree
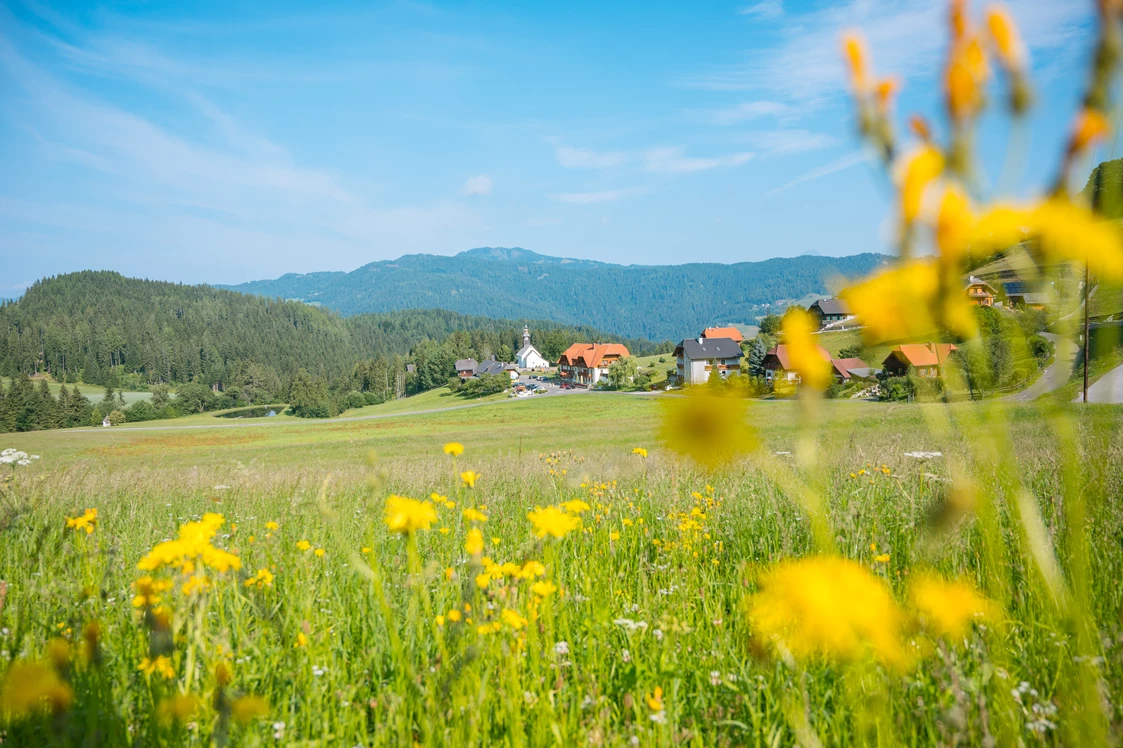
[(757, 352), (81, 409), (64, 407), (46, 409)]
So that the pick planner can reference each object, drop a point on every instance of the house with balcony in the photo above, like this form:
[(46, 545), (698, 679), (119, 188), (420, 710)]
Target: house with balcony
[(979, 292), (698, 357), (778, 366), (584, 364), (827, 312)]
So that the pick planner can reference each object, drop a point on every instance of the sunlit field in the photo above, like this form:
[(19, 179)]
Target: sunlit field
[(303, 603)]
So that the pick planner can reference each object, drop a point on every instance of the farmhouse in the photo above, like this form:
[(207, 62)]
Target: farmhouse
[(927, 359), (528, 356), (979, 292), (723, 332), (466, 367), (829, 311), (1019, 293), (697, 358), (844, 369), (491, 366), (585, 363), (778, 367)]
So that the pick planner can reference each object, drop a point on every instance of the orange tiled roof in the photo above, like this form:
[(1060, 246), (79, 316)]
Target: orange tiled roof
[(924, 354), (723, 332), (589, 355)]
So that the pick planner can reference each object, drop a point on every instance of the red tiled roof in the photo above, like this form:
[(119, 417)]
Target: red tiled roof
[(723, 332), (844, 365)]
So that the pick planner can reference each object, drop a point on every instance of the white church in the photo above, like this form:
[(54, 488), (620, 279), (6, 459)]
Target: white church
[(528, 356)]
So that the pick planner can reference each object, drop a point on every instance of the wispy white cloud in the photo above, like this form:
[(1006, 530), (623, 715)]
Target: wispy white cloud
[(580, 158), (783, 142), (765, 10), (743, 112), (675, 161), (478, 185), (905, 37), (839, 164), (601, 196)]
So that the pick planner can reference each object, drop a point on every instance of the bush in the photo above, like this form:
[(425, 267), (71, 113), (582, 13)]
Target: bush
[(142, 410), (116, 418), (488, 384), (370, 398)]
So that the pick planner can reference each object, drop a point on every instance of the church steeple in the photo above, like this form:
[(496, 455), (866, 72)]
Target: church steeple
[(526, 336)]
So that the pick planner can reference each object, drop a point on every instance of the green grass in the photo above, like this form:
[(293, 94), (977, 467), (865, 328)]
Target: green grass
[(834, 342), (345, 648)]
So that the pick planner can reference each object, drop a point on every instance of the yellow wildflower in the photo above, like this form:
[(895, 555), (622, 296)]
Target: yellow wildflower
[(454, 448), (483, 580), (474, 545), (828, 607), (365, 549), (85, 522), (193, 545), (576, 506), (271, 526), (613, 535), (301, 640), (896, 304), (806, 356), (543, 589), (454, 615), (439, 620), (513, 619), (552, 521), (30, 686), (948, 608), (245, 709), (469, 478), (531, 569), (1090, 126), (854, 49), (148, 591), (1067, 231), (655, 700), (707, 426), (319, 552), (640, 451), (881, 558), (161, 666), (409, 515), (263, 578)]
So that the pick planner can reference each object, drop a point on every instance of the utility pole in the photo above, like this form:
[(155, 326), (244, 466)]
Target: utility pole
[(1085, 332)]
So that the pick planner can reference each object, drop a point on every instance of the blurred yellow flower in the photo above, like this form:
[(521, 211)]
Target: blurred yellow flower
[(192, 546), (453, 615), (86, 522), (161, 666), (917, 171), (881, 558), (469, 478), (245, 709), (148, 591), (178, 708), (1004, 35), (655, 700), (613, 536), (854, 49), (319, 552), (29, 686), (513, 619), (948, 608), (1067, 231), (454, 448), (531, 569), (263, 578), (826, 606), (576, 506), (409, 515), (552, 521), (303, 545), (707, 426), (474, 545), (966, 74), (474, 515), (543, 589), (271, 526), (365, 549), (640, 451), (1090, 127), (896, 304), (805, 354), (301, 640)]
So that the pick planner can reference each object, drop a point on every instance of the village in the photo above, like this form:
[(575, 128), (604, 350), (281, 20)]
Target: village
[(754, 355)]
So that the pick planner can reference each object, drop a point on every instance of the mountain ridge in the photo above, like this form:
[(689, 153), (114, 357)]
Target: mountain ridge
[(655, 301)]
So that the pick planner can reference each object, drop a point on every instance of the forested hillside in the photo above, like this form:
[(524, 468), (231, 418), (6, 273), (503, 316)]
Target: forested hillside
[(655, 301), (102, 328)]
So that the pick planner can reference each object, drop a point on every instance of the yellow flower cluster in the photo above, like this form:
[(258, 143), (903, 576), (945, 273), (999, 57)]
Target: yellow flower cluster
[(455, 449), (553, 521), (29, 687), (87, 521), (263, 578), (192, 547)]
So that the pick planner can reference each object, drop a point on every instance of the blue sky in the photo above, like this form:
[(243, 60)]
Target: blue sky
[(224, 142)]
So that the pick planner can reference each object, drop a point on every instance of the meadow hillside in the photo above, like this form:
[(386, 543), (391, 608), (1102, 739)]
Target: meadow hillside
[(566, 578), (660, 302)]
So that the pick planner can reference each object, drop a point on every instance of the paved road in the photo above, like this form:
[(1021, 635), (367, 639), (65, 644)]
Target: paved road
[(1056, 375), (1106, 389)]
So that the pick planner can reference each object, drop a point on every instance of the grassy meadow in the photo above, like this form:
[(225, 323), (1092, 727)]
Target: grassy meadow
[(636, 627)]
